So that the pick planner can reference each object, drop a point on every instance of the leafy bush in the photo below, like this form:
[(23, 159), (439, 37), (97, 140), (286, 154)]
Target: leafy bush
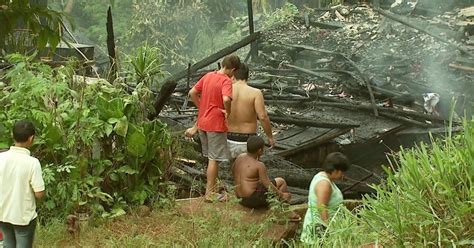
[(427, 202), (99, 152), (45, 25), (281, 15)]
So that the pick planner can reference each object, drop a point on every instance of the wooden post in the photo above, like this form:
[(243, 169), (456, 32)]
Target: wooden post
[(188, 81), (111, 46), (253, 45)]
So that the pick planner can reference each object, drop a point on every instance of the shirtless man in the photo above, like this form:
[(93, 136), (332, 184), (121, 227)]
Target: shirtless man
[(247, 105), (251, 178)]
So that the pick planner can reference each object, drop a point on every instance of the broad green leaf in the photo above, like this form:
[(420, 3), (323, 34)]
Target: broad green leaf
[(110, 109), (136, 143), (121, 127), (127, 170), (114, 177), (108, 129)]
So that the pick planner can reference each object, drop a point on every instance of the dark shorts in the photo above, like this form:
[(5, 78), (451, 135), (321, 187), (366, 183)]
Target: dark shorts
[(240, 137), (258, 199)]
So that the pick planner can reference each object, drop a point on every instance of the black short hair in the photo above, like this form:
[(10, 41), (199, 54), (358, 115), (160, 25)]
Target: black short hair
[(242, 73), (23, 130), (254, 143), (231, 62), (336, 161)]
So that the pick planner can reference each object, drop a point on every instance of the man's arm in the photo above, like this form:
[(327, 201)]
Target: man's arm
[(39, 195), (263, 176), (36, 181), (227, 103), (194, 94), (190, 132), (323, 191), (262, 115)]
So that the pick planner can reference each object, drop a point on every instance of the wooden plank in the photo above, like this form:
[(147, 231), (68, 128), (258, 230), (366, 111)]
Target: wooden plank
[(467, 12), (309, 123), (315, 142), (461, 67)]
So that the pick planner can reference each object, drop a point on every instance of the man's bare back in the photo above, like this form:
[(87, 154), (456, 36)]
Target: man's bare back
[(247, 171), (248, 106), (243, 118)]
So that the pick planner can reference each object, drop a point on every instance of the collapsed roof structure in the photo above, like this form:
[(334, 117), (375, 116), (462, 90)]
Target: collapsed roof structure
[(355, 79)]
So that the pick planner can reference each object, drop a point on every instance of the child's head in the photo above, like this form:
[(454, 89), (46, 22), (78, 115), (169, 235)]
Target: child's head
[(24, 132), (255, 145), (230, 63)]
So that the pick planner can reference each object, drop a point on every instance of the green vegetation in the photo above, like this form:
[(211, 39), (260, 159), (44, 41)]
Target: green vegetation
[(98, 150), (427, 201), (24, 26), (203, 226)]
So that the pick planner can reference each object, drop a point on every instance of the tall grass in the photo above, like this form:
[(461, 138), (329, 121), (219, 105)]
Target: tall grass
[(426, 201)]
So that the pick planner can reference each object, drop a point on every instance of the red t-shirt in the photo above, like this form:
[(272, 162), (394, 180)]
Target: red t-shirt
[(213, 86)]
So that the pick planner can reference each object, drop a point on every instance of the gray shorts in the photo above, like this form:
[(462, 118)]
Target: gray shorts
[(214, 145)]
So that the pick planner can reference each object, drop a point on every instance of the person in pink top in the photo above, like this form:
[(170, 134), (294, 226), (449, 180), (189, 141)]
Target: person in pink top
[(212, 94)]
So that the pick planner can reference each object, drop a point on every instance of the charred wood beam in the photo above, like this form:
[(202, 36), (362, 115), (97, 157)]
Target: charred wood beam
[(299, 180), (357, 183), (310, 72), (298, 191), (308, 122), (462, 67), (408, 23), (315, 142), (381, 109), (349, 106), (253, 46), (364, 77), (405, 120), (191, 171), (170, 83), (185, 179), (111, 46)]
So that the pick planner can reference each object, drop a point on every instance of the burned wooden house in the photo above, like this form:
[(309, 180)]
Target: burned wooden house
[(360, 80)]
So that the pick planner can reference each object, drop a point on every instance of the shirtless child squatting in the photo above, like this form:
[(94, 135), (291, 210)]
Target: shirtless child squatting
[(251, 179)]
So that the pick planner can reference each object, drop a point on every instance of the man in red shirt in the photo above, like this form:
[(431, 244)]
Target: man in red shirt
[(212, 94)]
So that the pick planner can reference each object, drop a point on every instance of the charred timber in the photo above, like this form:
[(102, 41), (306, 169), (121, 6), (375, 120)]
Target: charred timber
[(170, 83), (333, 133), (111, 45), (309, 123), (364, 77), (382, 109), (331, 102)]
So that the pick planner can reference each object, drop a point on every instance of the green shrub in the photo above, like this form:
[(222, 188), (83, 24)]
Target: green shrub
[(281, 15), (98, 151)]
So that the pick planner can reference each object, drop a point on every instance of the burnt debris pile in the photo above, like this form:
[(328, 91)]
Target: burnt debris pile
[(356, 79)]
